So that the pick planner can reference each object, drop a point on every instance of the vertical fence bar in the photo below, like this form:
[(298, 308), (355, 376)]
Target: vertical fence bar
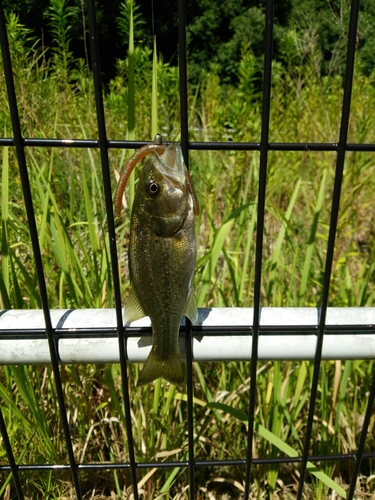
[(362, 440), (259, 237), (349, 71), (103, 145), (19, 144), (182, 64), (11, 460)]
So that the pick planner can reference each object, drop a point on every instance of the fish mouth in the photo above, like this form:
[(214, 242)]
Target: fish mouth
[(171, 163)]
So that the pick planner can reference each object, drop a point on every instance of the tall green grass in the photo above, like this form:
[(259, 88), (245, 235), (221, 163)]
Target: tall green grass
[(70, 213)]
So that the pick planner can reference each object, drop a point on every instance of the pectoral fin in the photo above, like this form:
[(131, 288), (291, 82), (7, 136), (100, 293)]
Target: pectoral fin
[(133, 309), (191, 308)]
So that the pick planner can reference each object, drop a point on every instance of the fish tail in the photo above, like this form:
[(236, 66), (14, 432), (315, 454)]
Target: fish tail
[(170, 369)]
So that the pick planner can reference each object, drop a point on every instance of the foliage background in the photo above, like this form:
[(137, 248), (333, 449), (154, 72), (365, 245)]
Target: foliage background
[(217, 32)]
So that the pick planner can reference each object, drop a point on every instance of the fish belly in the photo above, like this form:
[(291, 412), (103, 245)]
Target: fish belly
[(161, 273)]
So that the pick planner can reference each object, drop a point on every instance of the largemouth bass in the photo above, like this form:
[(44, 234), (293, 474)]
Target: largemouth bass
[(162, 253)]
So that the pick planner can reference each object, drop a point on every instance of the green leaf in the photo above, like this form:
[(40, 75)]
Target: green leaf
[(216, 250), (280, 444), (312, 240), (154, 97), (280, 240)]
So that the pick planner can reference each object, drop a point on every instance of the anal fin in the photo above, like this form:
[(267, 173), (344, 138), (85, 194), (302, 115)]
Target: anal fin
[(191, 310), (133, 309)]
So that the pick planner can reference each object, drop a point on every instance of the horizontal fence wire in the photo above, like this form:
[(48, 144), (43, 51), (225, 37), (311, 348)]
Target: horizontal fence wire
[(254, 329), (192, 146), (197, 463)]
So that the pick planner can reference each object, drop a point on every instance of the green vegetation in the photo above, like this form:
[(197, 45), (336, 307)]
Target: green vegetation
[(217, 31), (56, 99)]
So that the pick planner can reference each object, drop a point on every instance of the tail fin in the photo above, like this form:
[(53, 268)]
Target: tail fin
[(170, 369)]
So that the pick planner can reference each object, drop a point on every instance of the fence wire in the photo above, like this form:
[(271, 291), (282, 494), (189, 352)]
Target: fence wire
[(103, 143)]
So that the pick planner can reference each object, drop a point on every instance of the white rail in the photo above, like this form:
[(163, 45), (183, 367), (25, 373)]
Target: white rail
[(88, 335)]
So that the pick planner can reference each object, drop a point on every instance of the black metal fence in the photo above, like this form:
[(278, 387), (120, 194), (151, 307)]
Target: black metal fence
[(264, 146)]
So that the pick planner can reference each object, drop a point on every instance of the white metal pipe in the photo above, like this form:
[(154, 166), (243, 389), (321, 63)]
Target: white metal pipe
[(346, 339)]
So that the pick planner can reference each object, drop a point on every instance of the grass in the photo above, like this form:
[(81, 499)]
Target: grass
[(70, 213)]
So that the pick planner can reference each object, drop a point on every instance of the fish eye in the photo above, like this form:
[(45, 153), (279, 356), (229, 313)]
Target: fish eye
[(152, 188)]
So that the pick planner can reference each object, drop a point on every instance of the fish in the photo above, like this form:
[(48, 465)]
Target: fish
[(162, 256)]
